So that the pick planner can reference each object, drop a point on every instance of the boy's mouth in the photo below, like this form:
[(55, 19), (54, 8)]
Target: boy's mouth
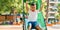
[(33, 10)]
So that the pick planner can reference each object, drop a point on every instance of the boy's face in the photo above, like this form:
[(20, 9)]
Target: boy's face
[(33, 7)]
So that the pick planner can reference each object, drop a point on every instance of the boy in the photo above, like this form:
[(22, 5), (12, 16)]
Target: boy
[(32, 17)]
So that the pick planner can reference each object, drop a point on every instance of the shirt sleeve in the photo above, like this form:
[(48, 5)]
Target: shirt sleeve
[(37, 11)]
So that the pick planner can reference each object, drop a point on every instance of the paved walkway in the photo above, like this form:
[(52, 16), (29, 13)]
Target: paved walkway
[(11, 27), (17, 27), (55, 27)]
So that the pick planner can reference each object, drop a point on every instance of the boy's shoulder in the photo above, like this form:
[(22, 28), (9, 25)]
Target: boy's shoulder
[(37, 10)]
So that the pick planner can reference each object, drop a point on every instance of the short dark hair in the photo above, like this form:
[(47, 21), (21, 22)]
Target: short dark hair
[(21, 18), (32, 4)]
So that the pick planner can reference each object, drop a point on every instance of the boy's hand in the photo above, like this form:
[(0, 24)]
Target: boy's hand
[(26, 1)]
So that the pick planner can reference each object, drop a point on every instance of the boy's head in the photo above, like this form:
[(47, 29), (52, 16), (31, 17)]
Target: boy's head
[(33, 6)]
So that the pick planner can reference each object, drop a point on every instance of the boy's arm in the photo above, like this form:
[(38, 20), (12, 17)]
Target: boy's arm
[(41, 7), (27, 6)]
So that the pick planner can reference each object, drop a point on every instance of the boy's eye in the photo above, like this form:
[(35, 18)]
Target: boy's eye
[(33, 7)]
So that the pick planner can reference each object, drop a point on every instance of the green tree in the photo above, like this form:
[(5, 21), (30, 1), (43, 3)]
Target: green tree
[(7, 5), (58, 16)]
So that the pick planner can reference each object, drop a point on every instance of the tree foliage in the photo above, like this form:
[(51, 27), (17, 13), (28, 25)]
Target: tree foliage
[(7, 5)]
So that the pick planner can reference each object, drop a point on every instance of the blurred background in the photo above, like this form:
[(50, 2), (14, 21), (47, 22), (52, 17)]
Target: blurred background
[(12, 10)]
